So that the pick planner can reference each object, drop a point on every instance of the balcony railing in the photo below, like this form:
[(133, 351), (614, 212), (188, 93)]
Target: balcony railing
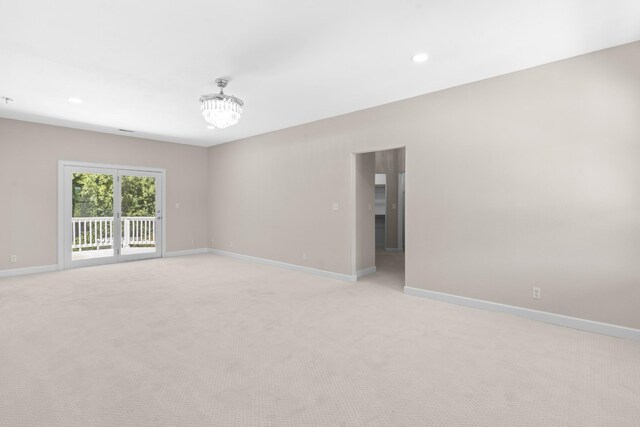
[(94, 233)]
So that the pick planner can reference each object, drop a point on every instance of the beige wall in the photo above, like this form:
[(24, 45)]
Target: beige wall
[(274, 200), (29, 155), (528, 179)]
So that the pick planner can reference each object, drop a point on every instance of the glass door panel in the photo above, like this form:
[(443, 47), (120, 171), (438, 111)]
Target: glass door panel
[(92, 216), (90, 231), (140, 214)]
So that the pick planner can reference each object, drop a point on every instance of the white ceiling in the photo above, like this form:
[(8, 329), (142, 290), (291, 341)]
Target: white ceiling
[(142, 65)]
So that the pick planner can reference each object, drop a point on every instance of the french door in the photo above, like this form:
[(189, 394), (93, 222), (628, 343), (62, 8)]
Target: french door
[(110, 215)]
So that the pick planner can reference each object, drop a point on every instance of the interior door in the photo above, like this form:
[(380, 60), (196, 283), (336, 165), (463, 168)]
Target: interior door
[(111, 215)]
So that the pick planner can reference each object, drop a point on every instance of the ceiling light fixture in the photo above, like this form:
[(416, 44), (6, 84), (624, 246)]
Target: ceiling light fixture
[(75, 100), (219, 109), (420, 57)]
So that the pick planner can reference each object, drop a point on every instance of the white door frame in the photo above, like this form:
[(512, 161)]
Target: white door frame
[(401, 184), (61, 200), (352, 197)]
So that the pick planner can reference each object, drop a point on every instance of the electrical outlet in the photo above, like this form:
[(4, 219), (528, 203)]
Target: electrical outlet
[(14, 258), (304, 255), (334, 206), (536, 293), (231, 244)]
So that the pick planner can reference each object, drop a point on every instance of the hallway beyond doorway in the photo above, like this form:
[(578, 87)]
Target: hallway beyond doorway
[(389, 271)]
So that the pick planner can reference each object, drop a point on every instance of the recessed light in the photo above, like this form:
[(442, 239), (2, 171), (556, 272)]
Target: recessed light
[(74, 100), (211, 127), (420, 57)]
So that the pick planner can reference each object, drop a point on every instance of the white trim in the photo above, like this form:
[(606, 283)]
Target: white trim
[(109, 166), (540, 316), (365, 271), (401, 182), (163, 180), (60, 242), (386, 213), (295, 267), (28, 270), (353, 217), (187, 252), (375, 150)]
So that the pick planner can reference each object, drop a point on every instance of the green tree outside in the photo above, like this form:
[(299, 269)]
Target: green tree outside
[(138, 196), (93, 195)]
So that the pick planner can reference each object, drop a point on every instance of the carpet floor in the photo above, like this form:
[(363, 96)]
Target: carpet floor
[(205, 340)]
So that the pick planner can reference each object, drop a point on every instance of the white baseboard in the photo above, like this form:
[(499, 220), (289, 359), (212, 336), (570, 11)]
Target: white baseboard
[(28, 270), (186, 252), (295, 267), (365, 271), (393, 250), (540, 316)]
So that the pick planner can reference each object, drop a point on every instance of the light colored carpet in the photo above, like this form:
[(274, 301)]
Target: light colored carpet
[(207, 340)]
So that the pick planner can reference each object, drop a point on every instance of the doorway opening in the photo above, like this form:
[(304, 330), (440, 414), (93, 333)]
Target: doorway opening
[(108, 214), (379, 199)]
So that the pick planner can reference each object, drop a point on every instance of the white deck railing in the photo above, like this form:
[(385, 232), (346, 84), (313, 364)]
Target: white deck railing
[(97, 232)]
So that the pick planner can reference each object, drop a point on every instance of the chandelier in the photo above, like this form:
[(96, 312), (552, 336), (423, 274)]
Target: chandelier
[(219, 109)]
